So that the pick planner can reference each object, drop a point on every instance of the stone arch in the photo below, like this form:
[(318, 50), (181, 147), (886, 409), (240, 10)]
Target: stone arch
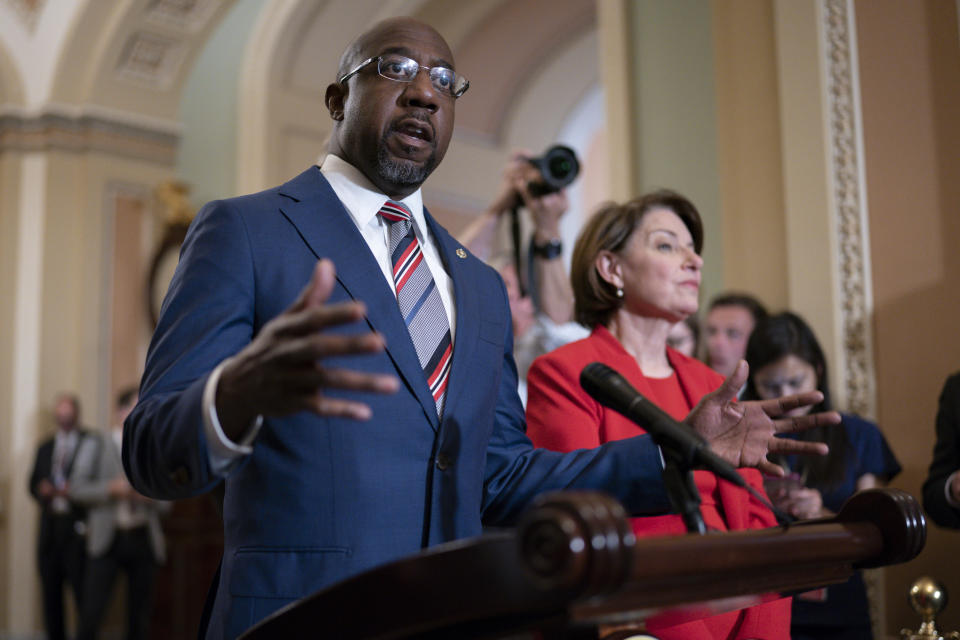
[(132, 57)]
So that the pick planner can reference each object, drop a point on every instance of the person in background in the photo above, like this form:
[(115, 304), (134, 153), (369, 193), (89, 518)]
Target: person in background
[(785, 358), (123, 529), (730, 319), (534, 334), (941, 490), (684, 336), (60, 554), (541, 307), (544, 277), (636, 273)]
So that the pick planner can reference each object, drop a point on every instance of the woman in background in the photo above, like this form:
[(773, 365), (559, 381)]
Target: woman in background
[(635, 273), (785, 358)]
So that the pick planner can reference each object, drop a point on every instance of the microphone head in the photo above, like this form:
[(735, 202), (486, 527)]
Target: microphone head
[(607, 387)]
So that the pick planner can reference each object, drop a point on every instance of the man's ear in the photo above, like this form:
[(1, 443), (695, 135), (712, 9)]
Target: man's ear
[(335, 97)]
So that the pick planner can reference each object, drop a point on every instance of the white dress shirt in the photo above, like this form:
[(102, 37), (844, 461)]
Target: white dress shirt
[(64, 446), (362, 201)]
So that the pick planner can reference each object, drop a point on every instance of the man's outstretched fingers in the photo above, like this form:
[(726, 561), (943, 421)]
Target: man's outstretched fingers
[(356, 380), (308, 320), (321, 283), (318, 289), (802, 447), (768, 468), (728, 391), (779, 406), (809, 421), (340, 408)]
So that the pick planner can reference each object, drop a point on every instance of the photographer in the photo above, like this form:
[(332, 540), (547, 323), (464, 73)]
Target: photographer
[(541, 299)]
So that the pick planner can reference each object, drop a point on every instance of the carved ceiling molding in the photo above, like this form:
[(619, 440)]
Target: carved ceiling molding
[(153, 54), (191, 15), (88, 132), (150, 59), (848, 193), (28, 11)]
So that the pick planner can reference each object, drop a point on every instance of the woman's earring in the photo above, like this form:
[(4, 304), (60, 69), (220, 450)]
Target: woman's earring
[(619, 292)]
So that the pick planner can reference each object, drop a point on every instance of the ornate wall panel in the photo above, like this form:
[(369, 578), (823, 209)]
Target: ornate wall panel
[(849, 195)]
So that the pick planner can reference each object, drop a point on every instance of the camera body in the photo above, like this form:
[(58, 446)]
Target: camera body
[(558, 167)]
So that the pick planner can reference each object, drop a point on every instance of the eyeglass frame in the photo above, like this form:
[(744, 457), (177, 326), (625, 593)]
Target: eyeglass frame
[(420, 67)]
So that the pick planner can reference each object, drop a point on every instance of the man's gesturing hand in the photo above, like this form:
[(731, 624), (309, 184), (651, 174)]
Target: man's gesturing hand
[(282, 371), (743, 433)]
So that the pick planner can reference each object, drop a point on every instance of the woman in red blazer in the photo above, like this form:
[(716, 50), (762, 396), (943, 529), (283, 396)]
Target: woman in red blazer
[(636, 271)]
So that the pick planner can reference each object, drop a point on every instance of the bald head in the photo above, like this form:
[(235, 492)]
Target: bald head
[(358, 50), (394, 132)]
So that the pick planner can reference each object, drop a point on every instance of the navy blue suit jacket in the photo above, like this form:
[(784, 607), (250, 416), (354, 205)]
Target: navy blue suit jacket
[(321, 499)]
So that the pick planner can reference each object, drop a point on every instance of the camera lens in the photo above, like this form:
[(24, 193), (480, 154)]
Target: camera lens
[(558, 167)]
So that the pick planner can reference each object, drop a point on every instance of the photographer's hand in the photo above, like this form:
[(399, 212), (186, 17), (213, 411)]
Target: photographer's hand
[(555, 295), (480, 235), (546, 210), (508, 196)]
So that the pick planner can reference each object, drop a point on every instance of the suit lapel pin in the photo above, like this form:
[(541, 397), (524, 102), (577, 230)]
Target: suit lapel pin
[(461, 253)]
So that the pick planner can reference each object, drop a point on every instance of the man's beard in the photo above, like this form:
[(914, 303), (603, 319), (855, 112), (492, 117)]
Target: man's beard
[(403, 172)]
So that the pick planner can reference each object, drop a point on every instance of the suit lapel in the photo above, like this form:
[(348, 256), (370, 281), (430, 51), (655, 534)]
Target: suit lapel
[(68, 467), (468, 332), (323, 223)]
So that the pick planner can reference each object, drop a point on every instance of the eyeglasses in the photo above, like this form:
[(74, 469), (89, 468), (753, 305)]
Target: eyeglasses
[(402, 69)]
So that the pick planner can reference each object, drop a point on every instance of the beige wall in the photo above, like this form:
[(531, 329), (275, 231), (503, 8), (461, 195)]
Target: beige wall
[(910, 80), (749, 150), (675, 112)]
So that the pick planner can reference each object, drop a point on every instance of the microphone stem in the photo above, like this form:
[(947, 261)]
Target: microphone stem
[(517, 245), (682, 491)]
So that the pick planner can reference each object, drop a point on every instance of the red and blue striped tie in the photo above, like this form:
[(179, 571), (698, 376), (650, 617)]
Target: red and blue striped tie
[(419, 301)]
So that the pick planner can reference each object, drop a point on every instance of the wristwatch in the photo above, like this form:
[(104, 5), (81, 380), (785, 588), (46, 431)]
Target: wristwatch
[(549, 250)]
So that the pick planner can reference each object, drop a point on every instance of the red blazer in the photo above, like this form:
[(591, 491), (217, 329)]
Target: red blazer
[(563, 417)]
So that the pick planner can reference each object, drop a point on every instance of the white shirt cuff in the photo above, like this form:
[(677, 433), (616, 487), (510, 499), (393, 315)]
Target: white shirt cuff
[(223, 452), (946, 490)]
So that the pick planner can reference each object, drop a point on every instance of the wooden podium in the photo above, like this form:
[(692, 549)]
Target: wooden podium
[(573, 566)]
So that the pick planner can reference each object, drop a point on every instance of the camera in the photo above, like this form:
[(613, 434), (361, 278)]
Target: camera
[(558, 167)]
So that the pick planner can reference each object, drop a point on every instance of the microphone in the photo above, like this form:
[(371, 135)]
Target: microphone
[(612, 390)]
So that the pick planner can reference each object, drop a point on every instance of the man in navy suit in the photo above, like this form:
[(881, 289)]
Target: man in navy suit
[(339, 446)]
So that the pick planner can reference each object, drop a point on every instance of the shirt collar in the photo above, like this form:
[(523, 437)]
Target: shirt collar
[(67, 437), (360, 197)]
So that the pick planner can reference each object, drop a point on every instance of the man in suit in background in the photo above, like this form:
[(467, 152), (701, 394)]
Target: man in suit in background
[(729, 322), (941, 491), (373, 412), (60, 554), (123, 529)]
